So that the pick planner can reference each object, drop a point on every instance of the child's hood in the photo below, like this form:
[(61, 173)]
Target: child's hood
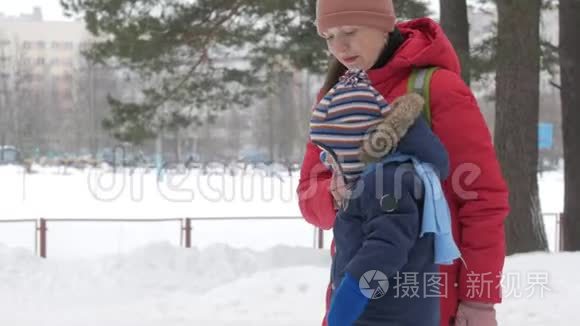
[(405, 131)]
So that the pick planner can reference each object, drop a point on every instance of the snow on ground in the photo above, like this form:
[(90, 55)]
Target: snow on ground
[(161, 285), (543, 290), (165, 285), (98, 193), (551, 186), (238, 273)]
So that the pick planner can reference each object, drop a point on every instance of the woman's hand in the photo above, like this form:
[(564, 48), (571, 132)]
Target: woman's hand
[(338, 189), (475, 314)]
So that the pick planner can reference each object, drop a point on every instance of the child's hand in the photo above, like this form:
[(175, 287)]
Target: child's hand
[(338, 187)]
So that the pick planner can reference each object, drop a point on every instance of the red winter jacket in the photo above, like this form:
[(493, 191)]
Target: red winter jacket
[(476, 191)]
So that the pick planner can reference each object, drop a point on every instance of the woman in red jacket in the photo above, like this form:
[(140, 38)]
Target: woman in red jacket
[(363, 35)]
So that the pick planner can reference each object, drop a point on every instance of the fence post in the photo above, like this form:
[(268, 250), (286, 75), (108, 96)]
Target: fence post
[(42, 235), (561, 230), (187, 230), (320, 239), (557, 232)]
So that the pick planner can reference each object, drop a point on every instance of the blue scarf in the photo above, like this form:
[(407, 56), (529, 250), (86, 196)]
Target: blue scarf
[(436, 215)]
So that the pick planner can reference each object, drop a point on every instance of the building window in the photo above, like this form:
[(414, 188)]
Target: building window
[(40, 45), (67, 78), (4, 43), (40, 61), (67, 61), (27, 77), (66, 98), (85, 46), (62, 45), (27, 45)]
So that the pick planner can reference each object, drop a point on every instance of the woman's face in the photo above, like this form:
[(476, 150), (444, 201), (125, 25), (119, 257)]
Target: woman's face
[(356, 47)]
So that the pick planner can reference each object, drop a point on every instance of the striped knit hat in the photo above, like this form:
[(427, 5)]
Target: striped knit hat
[(343, 118), (355, 125)]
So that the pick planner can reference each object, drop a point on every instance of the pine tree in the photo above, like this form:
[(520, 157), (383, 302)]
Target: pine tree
[(191, 60), (483, 54), (306, 49), (570, 75), (517, 115), (184, 57), (456, 26)]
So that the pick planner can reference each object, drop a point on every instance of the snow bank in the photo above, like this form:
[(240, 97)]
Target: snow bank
[(543, 290), (164, 285), (161, 285)]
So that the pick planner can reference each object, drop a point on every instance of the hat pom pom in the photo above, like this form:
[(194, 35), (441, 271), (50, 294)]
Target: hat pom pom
[(354, 77)]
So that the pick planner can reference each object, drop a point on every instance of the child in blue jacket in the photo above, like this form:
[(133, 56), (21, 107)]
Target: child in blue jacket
[(393, 229)]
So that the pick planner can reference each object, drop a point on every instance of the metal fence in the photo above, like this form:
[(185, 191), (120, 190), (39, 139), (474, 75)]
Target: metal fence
[(559, 226), (41, 227), (186, 225)]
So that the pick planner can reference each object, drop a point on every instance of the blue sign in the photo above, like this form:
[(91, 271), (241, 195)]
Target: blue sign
[(545, 135)]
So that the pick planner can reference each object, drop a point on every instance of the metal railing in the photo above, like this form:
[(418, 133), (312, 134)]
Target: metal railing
[(560, 225), (186, 226)]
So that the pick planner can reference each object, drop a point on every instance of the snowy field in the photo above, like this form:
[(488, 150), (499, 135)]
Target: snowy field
[(161, 285), (238, 273), (166, 286), (99, 194)]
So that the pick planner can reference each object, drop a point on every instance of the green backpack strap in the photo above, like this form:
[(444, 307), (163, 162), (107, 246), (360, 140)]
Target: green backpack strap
[(420, 82)]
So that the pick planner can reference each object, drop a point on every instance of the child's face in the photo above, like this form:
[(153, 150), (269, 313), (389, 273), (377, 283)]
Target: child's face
[(356, 47)]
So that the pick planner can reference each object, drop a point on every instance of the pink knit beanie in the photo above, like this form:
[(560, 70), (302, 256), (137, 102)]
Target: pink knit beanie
[(372, 13)]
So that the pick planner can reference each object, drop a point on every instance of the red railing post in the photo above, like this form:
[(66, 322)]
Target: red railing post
[(557, 233), (562, 230), (42, 235), (187, 230)]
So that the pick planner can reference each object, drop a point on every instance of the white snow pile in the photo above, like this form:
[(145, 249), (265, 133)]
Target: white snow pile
[(162, 285), (165, 285), (540, 289)]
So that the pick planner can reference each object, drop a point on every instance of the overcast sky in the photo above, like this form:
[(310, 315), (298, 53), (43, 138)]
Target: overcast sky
[(52, 11)]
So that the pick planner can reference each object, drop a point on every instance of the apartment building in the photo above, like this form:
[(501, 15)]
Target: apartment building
[(32, 50)]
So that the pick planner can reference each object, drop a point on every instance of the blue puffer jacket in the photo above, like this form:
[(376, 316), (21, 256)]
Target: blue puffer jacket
[(379, 230)]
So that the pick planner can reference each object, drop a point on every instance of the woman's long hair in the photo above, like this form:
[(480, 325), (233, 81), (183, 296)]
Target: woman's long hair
[(335, 71)]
